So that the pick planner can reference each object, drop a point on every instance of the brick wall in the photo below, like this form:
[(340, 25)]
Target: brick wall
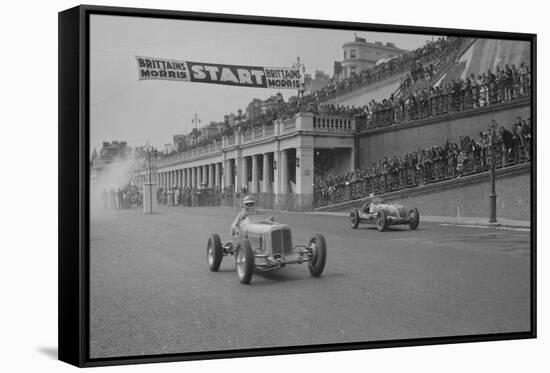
[(400, 139)]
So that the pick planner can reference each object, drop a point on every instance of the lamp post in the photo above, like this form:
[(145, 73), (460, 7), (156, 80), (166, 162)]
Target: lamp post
[(493, 195), (150, 172), (149, 188)]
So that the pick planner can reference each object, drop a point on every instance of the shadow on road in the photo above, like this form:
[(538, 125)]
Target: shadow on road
[(283, 276), (232, 269), (389, 229)]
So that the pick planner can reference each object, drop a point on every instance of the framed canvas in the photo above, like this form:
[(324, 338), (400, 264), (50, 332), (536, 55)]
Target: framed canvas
[(234, 186)]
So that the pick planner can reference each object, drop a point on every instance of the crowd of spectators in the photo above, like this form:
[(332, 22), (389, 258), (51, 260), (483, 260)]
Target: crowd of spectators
[(505, 84), (186, 197), (131, 196), (287, 111), (418, 74), (437, 163), (416, 62), (121, 198), (413, 61)]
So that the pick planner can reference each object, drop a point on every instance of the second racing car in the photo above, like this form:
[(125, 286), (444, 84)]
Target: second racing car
[(375, 211)]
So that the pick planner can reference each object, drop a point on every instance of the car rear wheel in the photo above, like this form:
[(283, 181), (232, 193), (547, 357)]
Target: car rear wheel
[(214, 252), (318, 260), (414, 215), (354, 218), (381, 221), (245, 262)]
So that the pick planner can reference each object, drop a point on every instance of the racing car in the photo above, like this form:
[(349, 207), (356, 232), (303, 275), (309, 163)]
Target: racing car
[(263, 244), (375, 211)]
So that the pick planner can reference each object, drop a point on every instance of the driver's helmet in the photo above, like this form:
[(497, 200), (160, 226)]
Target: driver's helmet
[(248, 202)]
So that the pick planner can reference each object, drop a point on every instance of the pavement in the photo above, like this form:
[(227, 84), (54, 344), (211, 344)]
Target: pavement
[(151, 291)]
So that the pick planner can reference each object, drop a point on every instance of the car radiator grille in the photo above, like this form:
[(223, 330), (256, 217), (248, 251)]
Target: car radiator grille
[(281, 240)]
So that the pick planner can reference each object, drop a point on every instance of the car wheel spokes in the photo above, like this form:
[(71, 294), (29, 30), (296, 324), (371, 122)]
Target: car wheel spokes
[(313, 252), (210, 256), (241, 262), (318, 249)]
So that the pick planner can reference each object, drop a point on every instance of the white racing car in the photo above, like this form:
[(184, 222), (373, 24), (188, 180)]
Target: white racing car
[(383, 215), (264, 244)]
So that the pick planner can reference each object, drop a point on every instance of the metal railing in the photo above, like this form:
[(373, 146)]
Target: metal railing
[(428, 172), (444, 103)]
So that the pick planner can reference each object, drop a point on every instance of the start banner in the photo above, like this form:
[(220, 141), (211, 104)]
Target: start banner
[(150, 68)]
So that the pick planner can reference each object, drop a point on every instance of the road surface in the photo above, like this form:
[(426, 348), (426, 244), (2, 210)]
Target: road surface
[(151, 291)]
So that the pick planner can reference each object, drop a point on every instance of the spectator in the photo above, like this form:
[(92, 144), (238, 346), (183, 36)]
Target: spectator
[(428, 165)]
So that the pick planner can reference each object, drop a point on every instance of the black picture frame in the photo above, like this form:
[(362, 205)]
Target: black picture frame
[(74, 190)]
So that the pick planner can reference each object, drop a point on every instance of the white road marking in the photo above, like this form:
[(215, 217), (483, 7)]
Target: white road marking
[(466, 225), (515, 229), (487, 226)]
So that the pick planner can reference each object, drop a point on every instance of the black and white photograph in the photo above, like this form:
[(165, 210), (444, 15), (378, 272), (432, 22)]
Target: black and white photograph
[(264, 186), (242, 186), (233, 186)]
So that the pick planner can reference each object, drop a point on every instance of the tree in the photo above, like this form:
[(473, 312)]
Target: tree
[(195, 134)]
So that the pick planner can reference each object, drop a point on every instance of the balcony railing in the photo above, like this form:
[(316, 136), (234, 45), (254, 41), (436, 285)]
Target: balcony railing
[(300, 122), (269, 130), (333, 124)]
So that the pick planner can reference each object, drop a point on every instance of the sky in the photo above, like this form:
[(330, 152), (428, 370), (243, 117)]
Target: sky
[(123, 108)]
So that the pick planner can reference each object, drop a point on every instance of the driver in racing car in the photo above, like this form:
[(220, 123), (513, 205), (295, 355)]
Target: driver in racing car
[(248, 208), (366, 207)]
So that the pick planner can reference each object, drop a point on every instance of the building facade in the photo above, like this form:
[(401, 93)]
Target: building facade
[(361, 54), (108, 153), (316, 82), (274, 162)]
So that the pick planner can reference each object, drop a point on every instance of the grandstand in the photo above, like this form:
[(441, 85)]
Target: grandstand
[(420, 103), (440, 111)]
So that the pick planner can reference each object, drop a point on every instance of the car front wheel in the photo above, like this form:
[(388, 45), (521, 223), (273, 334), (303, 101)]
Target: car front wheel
[(318, 260), (214, 252), (245, 262)]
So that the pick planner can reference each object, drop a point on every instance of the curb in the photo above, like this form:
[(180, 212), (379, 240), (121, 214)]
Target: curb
[(504, 223), (448, 220)]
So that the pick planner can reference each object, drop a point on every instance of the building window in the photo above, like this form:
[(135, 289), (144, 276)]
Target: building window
[(345, 55), (352, 70), (352, 54)]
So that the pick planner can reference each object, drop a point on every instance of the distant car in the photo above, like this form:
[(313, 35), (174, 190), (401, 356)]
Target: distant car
[(264, 244), (384, 215)]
